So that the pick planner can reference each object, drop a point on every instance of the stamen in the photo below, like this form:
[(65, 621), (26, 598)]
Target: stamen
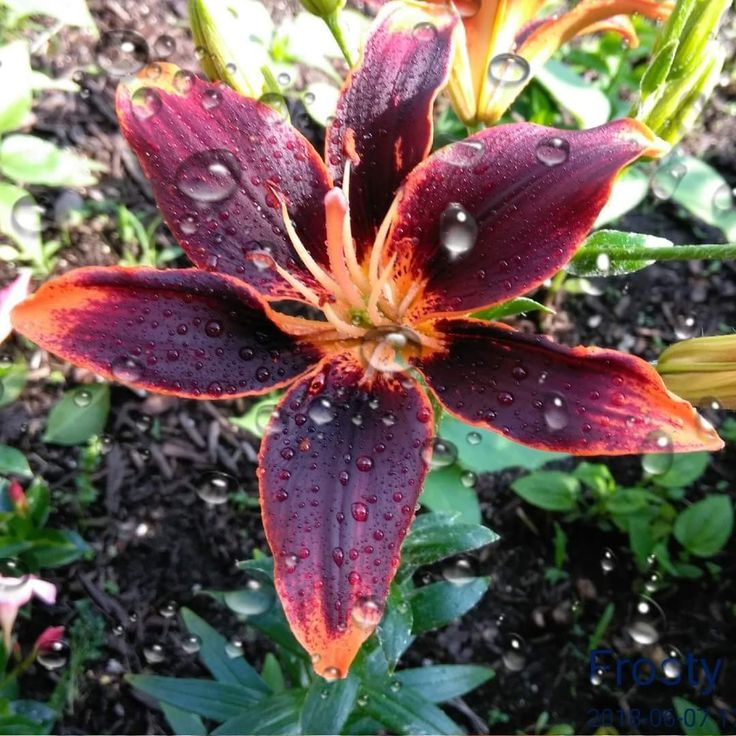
[(408, 299), (378, 244), (310, 295), (351, 257), (373, 314), (345, 329), (311, 265), (299, 326), (336, 217)]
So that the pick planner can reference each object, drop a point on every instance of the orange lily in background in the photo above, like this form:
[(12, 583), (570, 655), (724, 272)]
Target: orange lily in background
[(503, 43)]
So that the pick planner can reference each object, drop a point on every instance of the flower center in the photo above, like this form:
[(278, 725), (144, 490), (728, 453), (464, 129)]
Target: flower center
[(367, 303)]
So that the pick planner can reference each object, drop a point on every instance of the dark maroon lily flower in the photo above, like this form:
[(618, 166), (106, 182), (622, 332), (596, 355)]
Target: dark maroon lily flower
[(392, 253)]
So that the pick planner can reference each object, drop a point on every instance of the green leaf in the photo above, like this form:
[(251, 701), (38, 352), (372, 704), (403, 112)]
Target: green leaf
[(394, 630), (689, 713), (492, 452), (437, 604), (27, 238), (704, 528), (630, 501), (613, 261), (703, 192), (686, 468), (549, 489), (320, 101), (444, 682), (595, 476), (13, 462), (32, 160), (39, 500), (521, 305), (328, 705), (13, 377), (272, 673), (11, 725), (182, 722), (80, 414), (68, 12), (55, 548), (213, 653), (587, 104), (15, 82), (436, 539), (444, 490), (216, 700), (628, 192), (278, 714), (405, 711), (256, 418), (602, 626)]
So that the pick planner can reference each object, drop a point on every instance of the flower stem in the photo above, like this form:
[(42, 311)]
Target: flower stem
[(333, 23), (665, 253)]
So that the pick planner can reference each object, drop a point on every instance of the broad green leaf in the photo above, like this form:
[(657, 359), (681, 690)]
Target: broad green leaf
[(520, 305), (703, 192), (704, 528), (13, 462), (627, 193), (587, 104), (68, 12), (549, 489), (693, 719), (444, 490), (182, 722), (272, 673), (11, 725), (596, 476), (328, 705), (32, 160), (13, 378), (80, 414), (686, 468), (405, 711), (39, 501), (55, 548), (207, 698), (436, 539), (487, 452), (213, 653), (15, 82), (613, 261), (444, 682), (394, 630), (630, 501), (21, 222), (437, 604), (278, 714)]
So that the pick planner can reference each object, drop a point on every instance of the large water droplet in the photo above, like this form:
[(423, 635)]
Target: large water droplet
[(252, 600), (214, 488), (277, 103), (608, 560), (556, 413), (321, 411), (463, 153), (553, 151), (54, 655), (667, 178), (122, 52), (332, 673), (439, 453), (359, 511), (154, 653), (209, 176), (191, 644), (508, 70), (459, 571), (13, 574), (458, 231), (82, 397), (514, 657), (26, 215), (367, 613), (146, 102), (425, 31), (127, 369), (659, 460), (164, 46), (723, 199)]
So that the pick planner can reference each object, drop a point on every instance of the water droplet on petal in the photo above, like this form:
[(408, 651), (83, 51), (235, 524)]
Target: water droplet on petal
[(332, 673), (184, 81), (359, 511), (321, 411), (146, 102), (553, 151), (209, 176), (277, 103), (425, 31), (127, 369), (367, 613), (556, 413), (508, 70), (660, 456), (458, 231)]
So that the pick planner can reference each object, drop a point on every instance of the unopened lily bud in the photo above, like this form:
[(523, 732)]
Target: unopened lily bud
[(227, 47), (17, 497), (323, 8), (686, 63), (702, 370)]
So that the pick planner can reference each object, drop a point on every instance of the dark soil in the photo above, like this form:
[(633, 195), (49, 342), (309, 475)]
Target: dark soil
[(157, 542)]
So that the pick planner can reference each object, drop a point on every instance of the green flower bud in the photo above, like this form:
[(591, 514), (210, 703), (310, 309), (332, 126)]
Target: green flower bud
[(232, 39), (323, 8), (685, 66)]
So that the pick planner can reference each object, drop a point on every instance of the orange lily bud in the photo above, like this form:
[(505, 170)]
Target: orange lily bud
[(702, 370)]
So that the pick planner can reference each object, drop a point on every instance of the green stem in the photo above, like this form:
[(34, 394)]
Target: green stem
[(333, 23), (665, 253)]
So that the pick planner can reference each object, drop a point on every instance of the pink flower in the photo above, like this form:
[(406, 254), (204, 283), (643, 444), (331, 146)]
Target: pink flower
[(17, 497), (48, 639), (14, 293), (15, 593)]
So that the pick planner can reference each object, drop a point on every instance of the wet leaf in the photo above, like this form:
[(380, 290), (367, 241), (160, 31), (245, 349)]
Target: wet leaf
[(686, 468), (394, 630), (277, 714), (437, 604), (693, 719), (445, 682), (521, 305), (605, 253), (182, 722), (549, 489), (80, 414), (13, 462), (444, 490), (328, 705), (704, 528), (15, 82)]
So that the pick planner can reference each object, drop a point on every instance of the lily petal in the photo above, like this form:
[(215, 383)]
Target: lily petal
[(585, 401), (182, 332), (533, 193), (383, 122), (340, 471), (14, 293), (45, 590), (218, 163)]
